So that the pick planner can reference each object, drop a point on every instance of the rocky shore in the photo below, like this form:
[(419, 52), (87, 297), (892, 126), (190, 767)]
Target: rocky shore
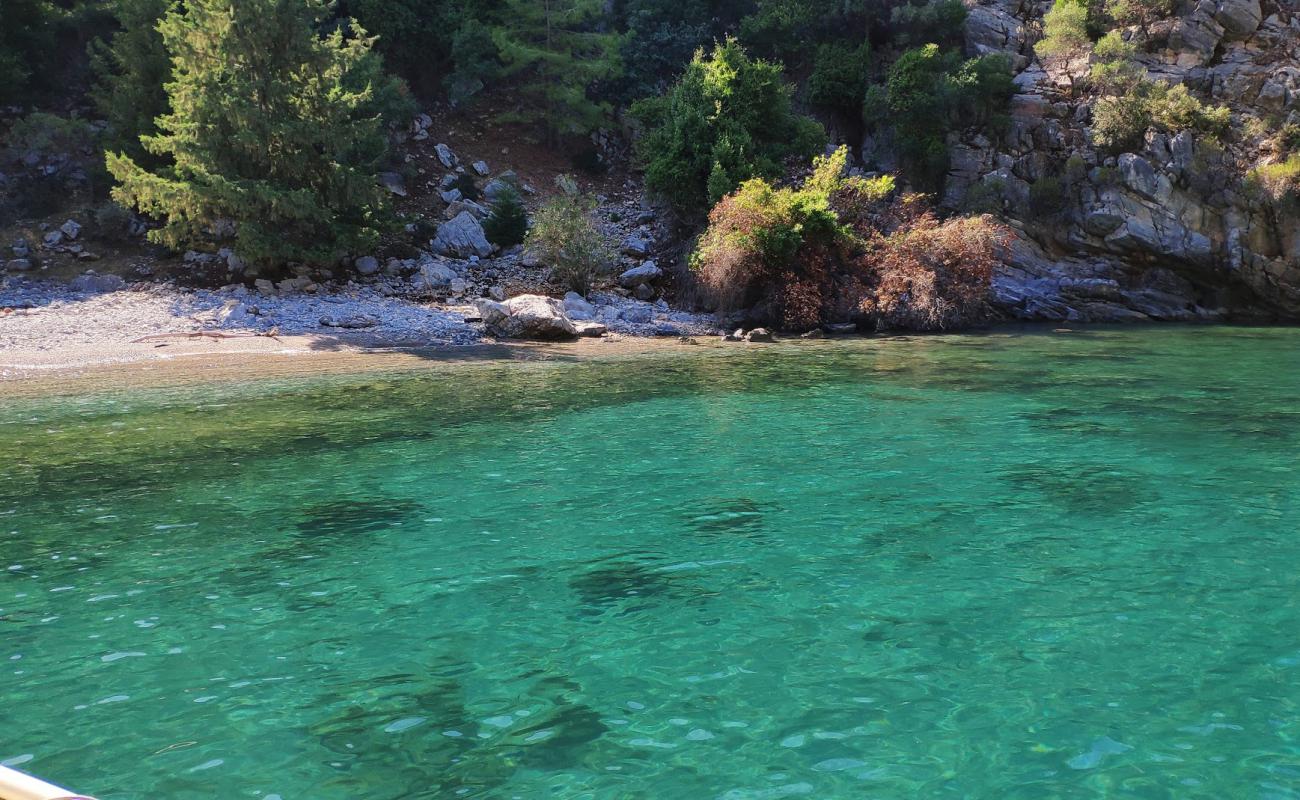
[(43, 316)]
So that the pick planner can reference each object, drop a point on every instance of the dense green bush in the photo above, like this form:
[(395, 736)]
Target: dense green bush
[(762, 242), (507, 222), (787, 30), (263, 132), (1066, 42), (1114, 70), (27, 39), (937, 21), (728, 119), (1139, 12), (1120, 122), (839, 76), (927, 94), (1047, 197), (661, 36), (433, 44), (565, 237)]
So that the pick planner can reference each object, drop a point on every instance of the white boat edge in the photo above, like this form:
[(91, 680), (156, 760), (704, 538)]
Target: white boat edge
[(15, 785)]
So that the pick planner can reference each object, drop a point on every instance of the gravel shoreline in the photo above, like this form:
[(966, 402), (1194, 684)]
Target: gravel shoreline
[(48, 316), (47, 327)]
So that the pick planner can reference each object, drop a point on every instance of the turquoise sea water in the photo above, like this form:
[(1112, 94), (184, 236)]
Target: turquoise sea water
[(998, 566)]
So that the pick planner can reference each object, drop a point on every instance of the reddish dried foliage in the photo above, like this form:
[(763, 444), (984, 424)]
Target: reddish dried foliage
[(932, 274), (900, 268)]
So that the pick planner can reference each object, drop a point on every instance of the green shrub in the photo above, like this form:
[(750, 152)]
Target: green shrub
[(1280, 181), (1114, 71), (1139, 12), (112, 221), (661, 36), (761, 238), (984, 197), (728, 119), (839, 76), (28, 46), (1174, 109), (1119, 123), (50, 133), (1076, 169), (787, 29), (1066, 42), (507, 223), (939, 21), (837, 248), (565, 237), (1048, 197), (927, 94)]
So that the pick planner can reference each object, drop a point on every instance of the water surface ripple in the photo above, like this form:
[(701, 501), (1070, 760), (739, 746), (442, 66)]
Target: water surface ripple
[(998, 566)]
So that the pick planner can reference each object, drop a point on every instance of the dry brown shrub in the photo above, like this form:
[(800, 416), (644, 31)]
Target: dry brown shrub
[(934, 275), (733, 268)]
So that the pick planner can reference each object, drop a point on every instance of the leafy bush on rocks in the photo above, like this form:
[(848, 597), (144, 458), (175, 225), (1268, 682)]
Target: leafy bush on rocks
[(1280, 181), (839, 248), (839, 76), (565, 237), (728, 119), (763, 242)]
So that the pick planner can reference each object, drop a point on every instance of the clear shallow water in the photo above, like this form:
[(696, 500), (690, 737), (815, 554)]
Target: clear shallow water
[(1007, 566)]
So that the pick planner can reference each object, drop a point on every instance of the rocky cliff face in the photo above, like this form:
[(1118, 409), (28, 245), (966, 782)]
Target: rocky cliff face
[(1170, 231)]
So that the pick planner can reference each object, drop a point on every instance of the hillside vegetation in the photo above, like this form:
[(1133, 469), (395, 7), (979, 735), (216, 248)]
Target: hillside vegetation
[(268, 129)]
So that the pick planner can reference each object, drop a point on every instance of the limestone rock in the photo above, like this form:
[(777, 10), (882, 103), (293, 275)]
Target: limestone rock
[(432, 276), (648, 272), (445, 156), (393, 182), (92, 283), (462, 237), (528, 316), (577, 307)]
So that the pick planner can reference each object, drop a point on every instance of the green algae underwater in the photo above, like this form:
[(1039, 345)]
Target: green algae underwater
[(1006, 565)]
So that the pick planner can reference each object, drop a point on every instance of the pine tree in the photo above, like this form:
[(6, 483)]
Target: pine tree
[(130, 70), (1065, 39), (269, 128), (555, 47)]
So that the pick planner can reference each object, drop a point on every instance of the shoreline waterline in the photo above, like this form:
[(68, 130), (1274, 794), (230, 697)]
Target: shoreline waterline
[(159, 363)]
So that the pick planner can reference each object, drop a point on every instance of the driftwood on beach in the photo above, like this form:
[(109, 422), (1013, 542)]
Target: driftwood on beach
[(274, 333)]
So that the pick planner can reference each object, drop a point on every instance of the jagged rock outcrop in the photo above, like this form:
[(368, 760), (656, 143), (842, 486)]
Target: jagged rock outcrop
[(1168, 231)]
